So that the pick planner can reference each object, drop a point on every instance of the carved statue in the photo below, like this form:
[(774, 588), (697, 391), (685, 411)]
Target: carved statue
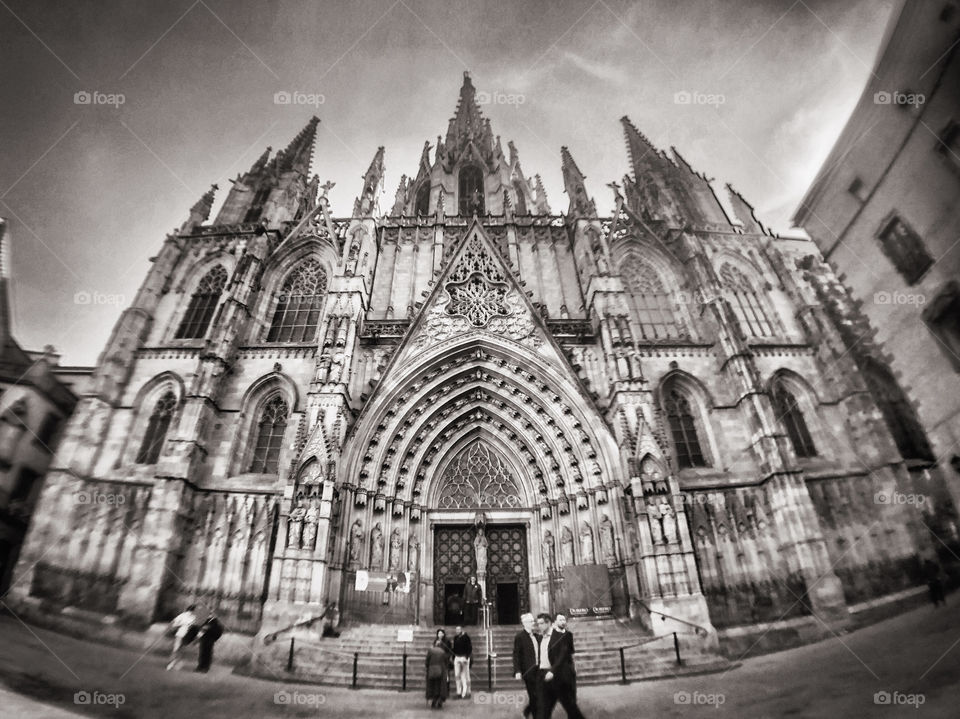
[(548, 556), (607, 548), (566, 546), (356, 543), (310, 528), (586, 544), (413, 554), (480, 546), (396, 551), (376, 547), (295, 525)]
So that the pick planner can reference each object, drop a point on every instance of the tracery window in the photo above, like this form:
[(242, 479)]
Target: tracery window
[(269, 440), (471, 191), (683, 429), (788, 411), (202, 305), (746, 303), (157, 428), (477, 286), (521, 205), (899, 416), (297, 315), (478, 477), (653, 306), (905, 249), (423, 200)]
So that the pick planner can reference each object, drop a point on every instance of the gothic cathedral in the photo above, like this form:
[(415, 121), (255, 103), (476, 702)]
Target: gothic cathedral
[(665, 412)]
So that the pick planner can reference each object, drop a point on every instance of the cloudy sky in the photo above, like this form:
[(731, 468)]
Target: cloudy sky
[(90, 190)]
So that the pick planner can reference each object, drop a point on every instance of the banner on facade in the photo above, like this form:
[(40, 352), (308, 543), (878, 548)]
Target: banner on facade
[(368, 581), (586, 591)]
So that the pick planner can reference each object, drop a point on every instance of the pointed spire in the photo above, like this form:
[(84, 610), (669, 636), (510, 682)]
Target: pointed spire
[(200, 210), (745, 213), (543, 206), (299, 152), (261, 162), (424, 169), (581, 203), (372, 179), (641, 151), (400, 200)]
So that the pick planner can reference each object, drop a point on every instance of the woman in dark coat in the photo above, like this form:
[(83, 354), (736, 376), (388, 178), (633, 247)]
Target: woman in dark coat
[(210, 631), (438, 672)]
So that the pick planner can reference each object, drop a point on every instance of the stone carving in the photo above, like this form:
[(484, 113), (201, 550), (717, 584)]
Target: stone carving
[(548, 548), (356, 543), (478, 477), (310, 528), (376, 547), (396, 551), (586, 544), (607, 548), (566, 546), (480, 547), (295, 525), (413, 554)]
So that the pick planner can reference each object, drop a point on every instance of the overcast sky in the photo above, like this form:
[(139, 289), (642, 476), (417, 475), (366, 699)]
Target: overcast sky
[(91, 190)]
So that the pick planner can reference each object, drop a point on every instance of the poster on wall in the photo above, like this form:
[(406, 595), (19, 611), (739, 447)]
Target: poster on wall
[(586, 591), (368, 581)]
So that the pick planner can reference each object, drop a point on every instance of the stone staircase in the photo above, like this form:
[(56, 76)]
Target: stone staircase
[(379, 656)]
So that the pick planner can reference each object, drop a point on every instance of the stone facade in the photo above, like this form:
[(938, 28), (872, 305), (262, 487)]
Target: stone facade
[(658, 397)]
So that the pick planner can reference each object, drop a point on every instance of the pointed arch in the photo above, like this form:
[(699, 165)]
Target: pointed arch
[(299, 306), (793, 403), (751, 311), (470, 190), (478, 477), (682, 403), (652, 303), (203, 303), (421, 207), (897, 412), (157, 427)]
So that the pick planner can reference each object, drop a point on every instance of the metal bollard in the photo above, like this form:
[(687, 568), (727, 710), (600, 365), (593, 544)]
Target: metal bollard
[(356, 658), (623, 668), (290, 656), (403, 687), (489, 674), (676, 647)]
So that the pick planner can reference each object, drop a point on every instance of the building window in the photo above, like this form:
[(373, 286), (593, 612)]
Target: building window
[(905, 250), (157, 429), (423, 200), (202, 305), (683, 430), (297, 315), (471, 191), (897, 413), (654, 309), (256, 206), (270, 428), (789, 413), (521, 206), (746, 304), (943, 319)]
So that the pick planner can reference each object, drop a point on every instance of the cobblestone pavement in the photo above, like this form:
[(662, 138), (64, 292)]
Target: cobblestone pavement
[(903, 667)]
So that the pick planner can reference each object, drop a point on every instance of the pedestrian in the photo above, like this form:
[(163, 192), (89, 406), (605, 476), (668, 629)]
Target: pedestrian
[(471, 601), (525, 653), (438, 672), (558, 678), (462, 658), (210, 631), (184, 628)]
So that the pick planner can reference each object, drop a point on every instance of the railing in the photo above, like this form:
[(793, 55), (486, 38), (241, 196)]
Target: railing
[(309, 621), (700, 630)]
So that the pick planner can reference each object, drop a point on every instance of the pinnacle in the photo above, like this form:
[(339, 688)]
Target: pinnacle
[(299, 152)]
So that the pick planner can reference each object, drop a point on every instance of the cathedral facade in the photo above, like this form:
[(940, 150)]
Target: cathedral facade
[(654, 413)]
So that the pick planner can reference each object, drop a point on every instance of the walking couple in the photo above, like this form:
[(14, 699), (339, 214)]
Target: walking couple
[(185, 628), (440, 656), (543, 659)]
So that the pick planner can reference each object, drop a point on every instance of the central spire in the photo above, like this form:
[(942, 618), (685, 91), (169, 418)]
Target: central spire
[(468, 126)]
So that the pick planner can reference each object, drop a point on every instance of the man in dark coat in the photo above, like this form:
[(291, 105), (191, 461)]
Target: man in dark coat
[(438, 668), (210, 631), (525, 662), (471, 601), (558, 677)]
